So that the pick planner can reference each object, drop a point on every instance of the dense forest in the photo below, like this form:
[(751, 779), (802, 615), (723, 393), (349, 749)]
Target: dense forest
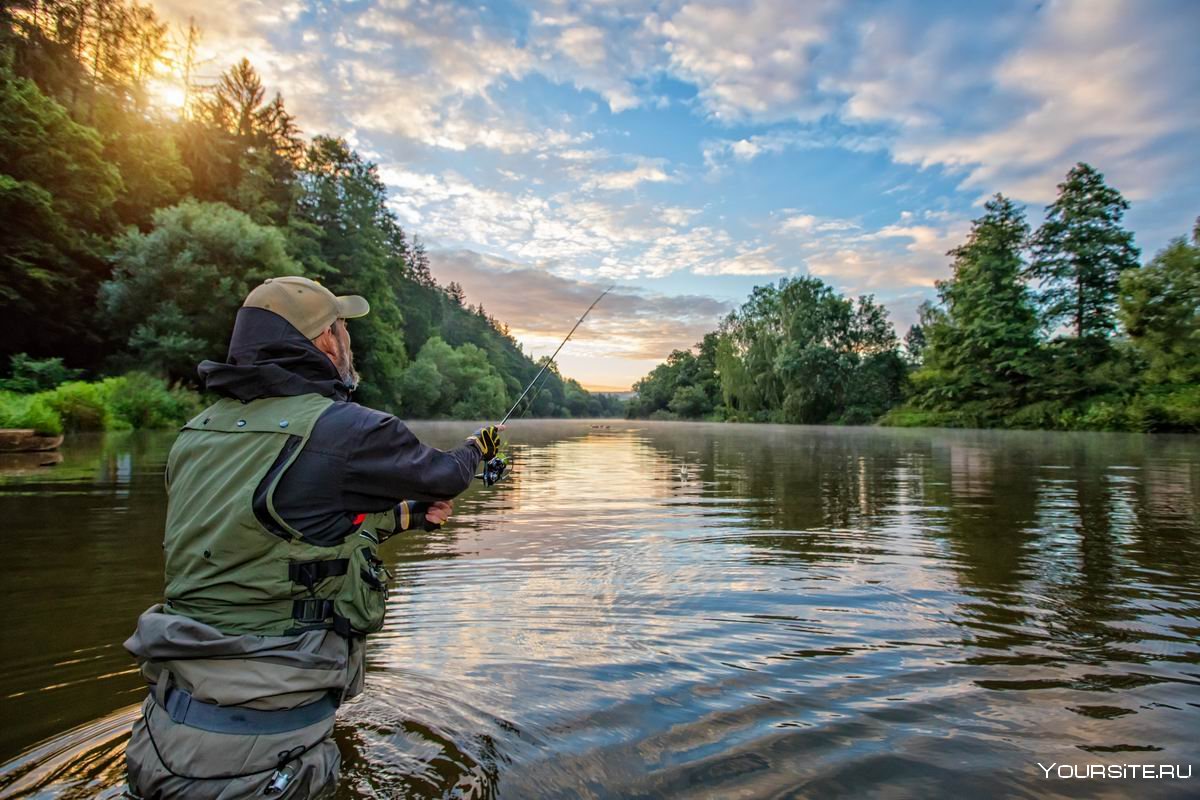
[(1060, 327), (131, 232)]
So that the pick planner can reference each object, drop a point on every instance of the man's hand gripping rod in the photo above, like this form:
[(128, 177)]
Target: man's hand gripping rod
[(497, 468)]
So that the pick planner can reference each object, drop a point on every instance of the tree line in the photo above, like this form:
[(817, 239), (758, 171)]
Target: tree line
[(131, 233), (1061, 327)]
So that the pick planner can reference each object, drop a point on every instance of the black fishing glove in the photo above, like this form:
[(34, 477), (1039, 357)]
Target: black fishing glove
[(487, 440), (413, 514)]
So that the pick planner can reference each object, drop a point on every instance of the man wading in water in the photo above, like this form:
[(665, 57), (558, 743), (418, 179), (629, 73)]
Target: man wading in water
[(278, 497)]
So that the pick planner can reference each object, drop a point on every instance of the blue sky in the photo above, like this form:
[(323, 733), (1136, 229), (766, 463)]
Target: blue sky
[(689, 151)]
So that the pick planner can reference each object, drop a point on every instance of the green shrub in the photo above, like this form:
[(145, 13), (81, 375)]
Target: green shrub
[(857, 415), (1102, 415), (29, 411), (138, 400), (909, 417), (81, 406), (127, 402), (36, 374), (1167, 409), (1044, 414)]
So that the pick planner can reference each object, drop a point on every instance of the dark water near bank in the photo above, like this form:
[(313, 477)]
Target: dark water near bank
[(687, 610)]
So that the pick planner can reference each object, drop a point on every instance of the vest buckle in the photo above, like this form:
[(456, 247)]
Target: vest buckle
[(312, 610)]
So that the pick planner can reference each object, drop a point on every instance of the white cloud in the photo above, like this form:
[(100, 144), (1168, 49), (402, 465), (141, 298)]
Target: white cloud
[(1002, 99), (584, 44), (677, 216), (892, 260), (1102, 82), (719, 152), (756, 261), (749, 59), (808, 223), (608, 53), (568, 234), (627, 179)]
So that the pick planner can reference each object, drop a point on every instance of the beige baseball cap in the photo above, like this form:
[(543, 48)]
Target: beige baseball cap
[(309, 306)]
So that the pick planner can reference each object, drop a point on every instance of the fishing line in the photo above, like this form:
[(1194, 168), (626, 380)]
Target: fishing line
[(495, 469)]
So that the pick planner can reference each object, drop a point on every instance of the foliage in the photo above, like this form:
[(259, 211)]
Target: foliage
[(909, 417), (152, 171), (242, 149), (796, 352), (29, 411), (1160, 310), (138, 400), (132, 401), (982, 350), (686, 385), (344, 232), (459, 381), (36, 374), (174, 291), (56, 198), (981, 356), (1079, 253), (82, 406)]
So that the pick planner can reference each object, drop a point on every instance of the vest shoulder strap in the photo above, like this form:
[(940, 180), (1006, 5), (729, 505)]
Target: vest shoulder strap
[(287, 415)]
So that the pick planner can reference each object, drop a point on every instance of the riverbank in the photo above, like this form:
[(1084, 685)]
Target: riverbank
[(1160, 409)]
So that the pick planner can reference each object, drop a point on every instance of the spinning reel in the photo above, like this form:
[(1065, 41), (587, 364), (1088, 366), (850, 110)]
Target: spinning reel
[(495, 470)]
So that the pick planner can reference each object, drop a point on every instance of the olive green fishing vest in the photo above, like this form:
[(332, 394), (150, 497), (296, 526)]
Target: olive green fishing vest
[(245, 570)]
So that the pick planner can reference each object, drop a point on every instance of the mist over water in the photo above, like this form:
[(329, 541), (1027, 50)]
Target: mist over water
[(687, 610)]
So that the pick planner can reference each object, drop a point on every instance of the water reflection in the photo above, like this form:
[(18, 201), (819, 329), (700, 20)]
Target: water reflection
[(650, 610)]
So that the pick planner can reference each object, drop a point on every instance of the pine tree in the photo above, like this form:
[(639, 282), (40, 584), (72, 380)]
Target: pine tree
[(1079, 253), (982, 349)]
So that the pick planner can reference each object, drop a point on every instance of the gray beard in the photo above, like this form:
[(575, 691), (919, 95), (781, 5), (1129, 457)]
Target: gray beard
[(347, 372), (345, 365)]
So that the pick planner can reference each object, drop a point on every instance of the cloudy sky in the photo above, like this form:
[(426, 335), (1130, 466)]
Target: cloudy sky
[(689, 151)]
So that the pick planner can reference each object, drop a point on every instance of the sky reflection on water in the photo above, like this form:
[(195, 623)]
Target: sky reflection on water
[(691, 610)]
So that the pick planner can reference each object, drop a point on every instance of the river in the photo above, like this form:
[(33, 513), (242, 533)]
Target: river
[(687, 610)]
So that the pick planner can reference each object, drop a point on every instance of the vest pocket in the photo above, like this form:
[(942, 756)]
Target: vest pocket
[(363, 597)]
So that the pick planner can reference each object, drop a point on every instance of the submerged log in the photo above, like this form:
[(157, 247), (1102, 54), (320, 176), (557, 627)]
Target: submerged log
[(26, 440)]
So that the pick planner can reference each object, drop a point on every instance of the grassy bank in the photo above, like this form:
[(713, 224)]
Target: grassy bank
[(127, 402), (1160, 409)]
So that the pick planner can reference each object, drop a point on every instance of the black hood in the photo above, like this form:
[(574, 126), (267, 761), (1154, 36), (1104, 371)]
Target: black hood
[(270, 358)]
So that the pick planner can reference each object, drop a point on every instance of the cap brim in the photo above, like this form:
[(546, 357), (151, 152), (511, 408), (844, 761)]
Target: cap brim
[(351, 306)]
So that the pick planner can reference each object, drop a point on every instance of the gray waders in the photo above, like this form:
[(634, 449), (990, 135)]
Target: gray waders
[(237, 716)]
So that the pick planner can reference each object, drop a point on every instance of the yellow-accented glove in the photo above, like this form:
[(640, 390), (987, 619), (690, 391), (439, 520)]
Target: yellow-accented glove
[(488, 441)]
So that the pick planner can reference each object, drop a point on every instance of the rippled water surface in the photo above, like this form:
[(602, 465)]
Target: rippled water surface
[(687, 610)]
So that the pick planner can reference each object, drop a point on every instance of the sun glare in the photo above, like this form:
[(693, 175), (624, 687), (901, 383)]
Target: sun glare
[(167, 93)]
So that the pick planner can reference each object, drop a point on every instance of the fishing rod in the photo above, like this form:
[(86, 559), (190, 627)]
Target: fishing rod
[(497, 468), (554, 355)]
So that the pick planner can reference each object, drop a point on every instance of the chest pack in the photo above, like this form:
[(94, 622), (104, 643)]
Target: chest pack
[(231, 560)]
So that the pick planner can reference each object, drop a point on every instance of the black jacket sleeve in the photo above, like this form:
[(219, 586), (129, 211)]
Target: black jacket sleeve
[(386, 461)]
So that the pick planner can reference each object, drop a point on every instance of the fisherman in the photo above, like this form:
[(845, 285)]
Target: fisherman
[(278, 496)]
